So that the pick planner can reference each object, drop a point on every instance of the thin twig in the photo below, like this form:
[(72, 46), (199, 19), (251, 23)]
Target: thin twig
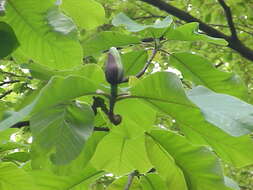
[(130, 180), (226, 26), (138, 75), (14, 75), (6, 93), (9, 82), (229, 17)]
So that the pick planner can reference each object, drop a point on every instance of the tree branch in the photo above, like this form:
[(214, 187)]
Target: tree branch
[(236, 45), (9, 82), (14, 75), (6, 93), (229, 17), (27, 124)]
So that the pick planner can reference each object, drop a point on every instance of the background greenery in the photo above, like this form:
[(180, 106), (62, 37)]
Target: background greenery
[(44, 44)]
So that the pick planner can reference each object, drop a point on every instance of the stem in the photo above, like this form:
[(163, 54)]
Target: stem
[(130, 180), (114, 92)]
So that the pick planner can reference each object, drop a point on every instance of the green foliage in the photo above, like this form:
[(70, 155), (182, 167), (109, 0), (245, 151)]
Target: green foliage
[(179, 118), (8, 40)]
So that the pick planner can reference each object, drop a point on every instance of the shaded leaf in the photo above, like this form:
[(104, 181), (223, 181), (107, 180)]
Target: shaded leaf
[(105, 40), (8, 40), (38, 39), (134, 62), (58, 90), (64, 128)]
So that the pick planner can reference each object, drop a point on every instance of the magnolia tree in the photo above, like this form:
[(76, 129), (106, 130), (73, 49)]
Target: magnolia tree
[(104, 102)]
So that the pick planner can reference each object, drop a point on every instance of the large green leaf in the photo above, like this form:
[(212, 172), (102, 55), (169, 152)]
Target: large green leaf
[(38, 38), (227, 112), (164, 92), (189, 32), (153, 182), (91, 71), (120, 184), (121, 154), (63, 128), (235, 150), (46, 180), (87, 14), (134, 61), (41, 157), (12, 177), (201, 168), (165, 165), (201, 72), (141, 118), (8, 40), (105, 40), (58, 90)]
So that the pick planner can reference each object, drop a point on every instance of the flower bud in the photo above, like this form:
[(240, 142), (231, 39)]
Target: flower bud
[(114, 69)]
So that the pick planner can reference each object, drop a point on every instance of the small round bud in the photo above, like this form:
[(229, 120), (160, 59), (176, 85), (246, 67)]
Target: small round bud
[(113, 68)]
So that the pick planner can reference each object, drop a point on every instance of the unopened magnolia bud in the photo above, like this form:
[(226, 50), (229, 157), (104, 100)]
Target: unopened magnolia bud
[(114, 69)]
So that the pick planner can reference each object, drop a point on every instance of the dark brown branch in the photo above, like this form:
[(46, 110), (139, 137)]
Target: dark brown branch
[(6, 93), (229, 17), (27, 124), (9, 82), (182, 15)]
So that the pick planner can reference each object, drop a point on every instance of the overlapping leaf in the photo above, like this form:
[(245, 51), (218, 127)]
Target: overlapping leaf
[(189, 32), (164, 92), (134, 62), (200, 71), (199, 165), (46, 180), (87, 14), (39, 41), (58, 90), (156, 30), (105, 40), (8, 40), (12, 177), (122, 19), (64, 128), (121, 154), (227, 112)]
